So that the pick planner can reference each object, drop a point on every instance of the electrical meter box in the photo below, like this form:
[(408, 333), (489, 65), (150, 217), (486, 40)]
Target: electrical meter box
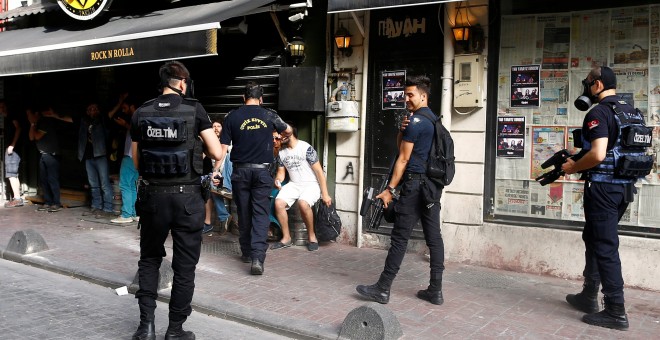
[(468, 78), (343, 116)]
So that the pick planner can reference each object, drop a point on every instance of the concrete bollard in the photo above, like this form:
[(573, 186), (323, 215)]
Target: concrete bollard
[(26, 242), (372, 321), (165, 277)]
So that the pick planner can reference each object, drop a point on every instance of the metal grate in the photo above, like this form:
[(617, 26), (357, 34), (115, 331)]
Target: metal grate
[(482, 279), (221, 247)]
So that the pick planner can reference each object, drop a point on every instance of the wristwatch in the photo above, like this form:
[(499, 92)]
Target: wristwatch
[(393, 191)]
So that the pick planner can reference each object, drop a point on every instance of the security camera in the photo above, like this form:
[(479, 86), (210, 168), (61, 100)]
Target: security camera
[(297, 17)]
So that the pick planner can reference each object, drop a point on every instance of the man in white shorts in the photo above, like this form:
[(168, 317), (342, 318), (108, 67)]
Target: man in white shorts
[(306, 184)]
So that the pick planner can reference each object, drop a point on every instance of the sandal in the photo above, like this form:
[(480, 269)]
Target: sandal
[(280, 245), (312, 246)]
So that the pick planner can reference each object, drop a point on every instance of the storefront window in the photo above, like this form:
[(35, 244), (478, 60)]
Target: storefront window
[(543, 59)]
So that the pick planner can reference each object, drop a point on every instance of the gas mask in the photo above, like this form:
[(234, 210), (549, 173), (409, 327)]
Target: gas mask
[(586, 99), (190, 88)]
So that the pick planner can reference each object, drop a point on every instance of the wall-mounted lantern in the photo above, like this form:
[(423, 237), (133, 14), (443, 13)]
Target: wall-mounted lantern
[(297, 50), (343, 41)]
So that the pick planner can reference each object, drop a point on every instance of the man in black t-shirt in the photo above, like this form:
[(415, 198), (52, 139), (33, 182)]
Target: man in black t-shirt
[(249, 129)]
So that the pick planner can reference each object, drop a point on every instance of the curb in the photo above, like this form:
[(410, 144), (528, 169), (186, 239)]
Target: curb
[(203, 303)]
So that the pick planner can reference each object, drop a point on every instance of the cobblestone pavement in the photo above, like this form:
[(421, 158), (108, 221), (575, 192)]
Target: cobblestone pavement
[(308, 294), (39, 304)]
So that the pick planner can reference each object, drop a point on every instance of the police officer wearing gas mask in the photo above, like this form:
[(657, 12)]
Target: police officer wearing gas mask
[(612, 162), (167, 151)]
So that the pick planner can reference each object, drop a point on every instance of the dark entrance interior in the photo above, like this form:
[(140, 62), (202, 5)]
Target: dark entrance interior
[(419, 53)]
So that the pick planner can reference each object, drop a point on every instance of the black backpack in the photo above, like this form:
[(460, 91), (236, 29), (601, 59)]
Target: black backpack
[(440, 167), (328, 224)]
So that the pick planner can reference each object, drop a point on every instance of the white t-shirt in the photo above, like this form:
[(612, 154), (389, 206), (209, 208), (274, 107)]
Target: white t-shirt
[(298, 162)]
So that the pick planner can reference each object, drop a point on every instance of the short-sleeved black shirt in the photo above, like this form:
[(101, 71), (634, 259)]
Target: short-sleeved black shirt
[(600, 122), (171, 102), (10, 129), (250, 130)]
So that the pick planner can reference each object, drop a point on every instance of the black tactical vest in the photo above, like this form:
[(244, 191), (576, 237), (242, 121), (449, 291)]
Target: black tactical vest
[(170, 151)]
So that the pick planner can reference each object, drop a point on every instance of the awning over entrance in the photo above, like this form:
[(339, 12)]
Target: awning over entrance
[(337, 6), (163, 35)]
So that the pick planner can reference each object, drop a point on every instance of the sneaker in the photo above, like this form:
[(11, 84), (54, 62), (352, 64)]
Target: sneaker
[(55, 208), (121, 220), (207, 228), (224, 192), (43, 207), (16, 202), (91, 212), (233, 228), (136, 218)]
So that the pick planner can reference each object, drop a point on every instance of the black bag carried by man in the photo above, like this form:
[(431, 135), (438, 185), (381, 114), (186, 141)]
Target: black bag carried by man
[(328, 223), (440, 167)]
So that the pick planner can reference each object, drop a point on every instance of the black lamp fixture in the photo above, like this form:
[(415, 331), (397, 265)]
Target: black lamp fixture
[(297, 50), (462, 33), (343, 41)]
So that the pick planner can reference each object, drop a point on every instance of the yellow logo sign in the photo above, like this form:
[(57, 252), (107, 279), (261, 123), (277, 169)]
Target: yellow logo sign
[(83, 9)]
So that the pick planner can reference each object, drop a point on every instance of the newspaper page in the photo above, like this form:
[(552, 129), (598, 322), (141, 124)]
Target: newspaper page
[(635, 81), (546, 201), (649, 214), (573, 208), (631, 215), (655, 36), (512, 197), (653, 117), (629, 37), (654, 177), (546, 141), (519, 46), (554, 99), (573, 150), (587, 52), (555, 30), (575, 116)]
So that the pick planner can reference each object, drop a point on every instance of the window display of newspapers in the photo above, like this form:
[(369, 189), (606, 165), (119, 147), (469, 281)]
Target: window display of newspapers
[(564, 46)]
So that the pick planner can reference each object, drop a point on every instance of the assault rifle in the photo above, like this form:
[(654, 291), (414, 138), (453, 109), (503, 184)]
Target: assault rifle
[(556, 160), (372, 207)]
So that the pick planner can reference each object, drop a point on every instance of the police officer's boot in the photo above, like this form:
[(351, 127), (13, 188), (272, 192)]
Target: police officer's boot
[(175, 331), (613, 316), (147, 328), (379, 292), (587, 299), (433, 293)]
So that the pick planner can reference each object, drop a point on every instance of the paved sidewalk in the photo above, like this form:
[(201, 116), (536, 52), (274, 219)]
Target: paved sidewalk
[(308, 294)]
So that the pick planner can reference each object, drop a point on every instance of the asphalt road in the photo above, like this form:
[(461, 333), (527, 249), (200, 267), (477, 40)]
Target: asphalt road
[(39, 304)]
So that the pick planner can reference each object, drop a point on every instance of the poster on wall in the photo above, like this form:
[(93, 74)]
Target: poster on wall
[(393, 90), (511, 137), (546, 141), (525, 85)]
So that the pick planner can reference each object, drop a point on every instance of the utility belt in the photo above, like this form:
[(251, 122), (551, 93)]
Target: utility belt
[(251, 165), (174, 189), (407, 176)]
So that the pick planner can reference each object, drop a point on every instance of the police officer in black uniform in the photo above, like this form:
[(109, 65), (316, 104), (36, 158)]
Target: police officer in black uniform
[(250, 130), (419, 198), (607, 193), (167, 151)]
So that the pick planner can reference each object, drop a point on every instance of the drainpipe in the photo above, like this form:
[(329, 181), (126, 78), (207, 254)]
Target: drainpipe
[(447, 80), (363, 123)]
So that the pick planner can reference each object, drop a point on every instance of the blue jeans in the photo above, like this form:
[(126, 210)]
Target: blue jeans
[(99, 180), (218, 201), (49, 177), (226, 173), (128, 177), (220, 207)]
